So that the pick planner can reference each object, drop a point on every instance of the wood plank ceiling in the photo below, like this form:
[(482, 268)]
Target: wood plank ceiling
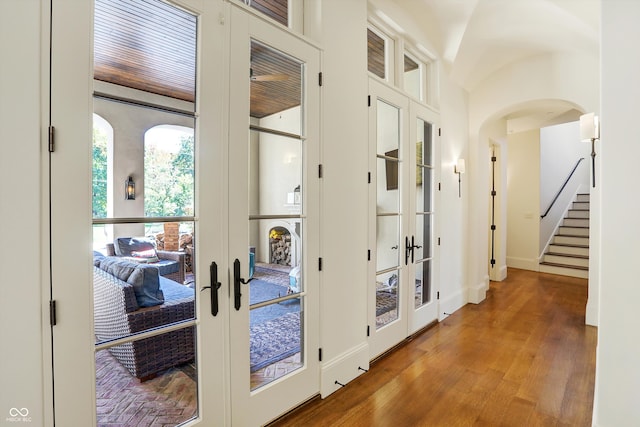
[(150, 45)]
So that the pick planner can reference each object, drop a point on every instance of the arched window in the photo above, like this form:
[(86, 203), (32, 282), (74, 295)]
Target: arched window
[(168, 171), (102, 181)]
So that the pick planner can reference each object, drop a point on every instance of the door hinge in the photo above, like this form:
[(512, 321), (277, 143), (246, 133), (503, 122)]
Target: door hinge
[(319, 171), (368, 330), (320, 79), (439, 131), (52, 143), (494, 158), (320, 354), (438, 295), (369, 177), (52, 313), (369, 101), (438, 241), (319, 264), (439, 186), (368, 254)]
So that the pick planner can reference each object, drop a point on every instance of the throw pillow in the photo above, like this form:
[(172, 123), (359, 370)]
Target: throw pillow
[(146, 285), (124, 246)]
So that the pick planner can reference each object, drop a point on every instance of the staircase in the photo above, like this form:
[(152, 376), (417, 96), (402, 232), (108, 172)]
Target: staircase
[(568, 254)]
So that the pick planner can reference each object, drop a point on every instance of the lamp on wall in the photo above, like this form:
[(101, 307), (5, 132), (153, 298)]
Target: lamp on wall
[(590, 131), (459, 169), (129, 189)]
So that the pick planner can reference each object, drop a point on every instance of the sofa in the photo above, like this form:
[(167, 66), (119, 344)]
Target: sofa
[(170, 264), (132, 297)]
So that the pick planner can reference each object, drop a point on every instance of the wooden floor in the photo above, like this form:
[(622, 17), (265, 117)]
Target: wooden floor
[(523, 357)]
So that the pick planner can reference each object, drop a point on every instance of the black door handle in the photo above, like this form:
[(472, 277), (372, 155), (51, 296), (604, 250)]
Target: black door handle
[(237, 280), (215, 285), (408, 249)]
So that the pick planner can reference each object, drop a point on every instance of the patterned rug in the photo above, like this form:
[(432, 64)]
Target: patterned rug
[(274, 340)]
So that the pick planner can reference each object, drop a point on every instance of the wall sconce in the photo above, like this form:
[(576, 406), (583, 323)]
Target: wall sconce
[(590, 131), (129, 189), (459, 168)]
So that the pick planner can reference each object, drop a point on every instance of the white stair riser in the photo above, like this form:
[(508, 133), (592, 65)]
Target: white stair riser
[(571, 240), (582, 198), (569, 250), (576, 222), (559, 259), (573, 231), (577, 214), (584, 274), (581, 205)]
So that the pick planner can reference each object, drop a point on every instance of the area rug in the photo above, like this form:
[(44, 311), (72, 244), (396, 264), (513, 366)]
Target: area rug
[(274, 340), (385, 302)]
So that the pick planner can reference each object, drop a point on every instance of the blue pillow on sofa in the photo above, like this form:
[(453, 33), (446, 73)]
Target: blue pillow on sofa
[(143, 278)]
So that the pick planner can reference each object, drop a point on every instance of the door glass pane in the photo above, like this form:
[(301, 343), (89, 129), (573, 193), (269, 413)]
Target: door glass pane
[(387, 297), (275, 173), (423, 283), (424, 214), (388, 247), (143, 168), (276, 206), (170, 398)]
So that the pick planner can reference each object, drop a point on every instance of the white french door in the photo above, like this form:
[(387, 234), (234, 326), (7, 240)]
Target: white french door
[(403, 163), (273, 220), (81, 354), (254, 188)]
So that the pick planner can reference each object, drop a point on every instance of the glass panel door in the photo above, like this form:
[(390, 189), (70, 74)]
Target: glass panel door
[(403, 153), (273, 222), (388, 273)]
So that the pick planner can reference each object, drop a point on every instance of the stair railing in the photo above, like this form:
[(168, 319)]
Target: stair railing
[(561, 188)]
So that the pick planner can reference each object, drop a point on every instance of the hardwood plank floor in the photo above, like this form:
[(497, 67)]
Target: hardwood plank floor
[(523, 357)]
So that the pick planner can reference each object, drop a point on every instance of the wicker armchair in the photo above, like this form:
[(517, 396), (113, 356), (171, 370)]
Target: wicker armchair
[(172, 264), (117, 315)]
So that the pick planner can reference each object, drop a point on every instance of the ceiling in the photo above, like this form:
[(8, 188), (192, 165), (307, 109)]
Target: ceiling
[(151, 46), (476, 38)]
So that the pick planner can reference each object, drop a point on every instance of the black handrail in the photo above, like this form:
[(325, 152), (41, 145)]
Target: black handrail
[(562, 188)]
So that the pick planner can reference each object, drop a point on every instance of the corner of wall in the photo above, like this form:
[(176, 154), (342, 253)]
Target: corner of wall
[(343, 369), (478, 293)]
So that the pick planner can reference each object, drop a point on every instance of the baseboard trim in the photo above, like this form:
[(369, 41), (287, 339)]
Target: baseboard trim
[(530, 264), (343, 368), (451, 304), (476, 294)]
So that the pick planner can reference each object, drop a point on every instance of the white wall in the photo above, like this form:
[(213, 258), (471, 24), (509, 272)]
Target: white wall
[(22, 253), (523, 199), (573, 78), (560, 150), (344, 193), (616, 399)]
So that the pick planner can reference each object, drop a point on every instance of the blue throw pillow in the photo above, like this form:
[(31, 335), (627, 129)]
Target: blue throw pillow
[(146, 285)]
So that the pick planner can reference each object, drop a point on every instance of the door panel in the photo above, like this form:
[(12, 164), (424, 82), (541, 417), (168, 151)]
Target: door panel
[(388, 275), (273, 222), (72, 234), (402, 295)]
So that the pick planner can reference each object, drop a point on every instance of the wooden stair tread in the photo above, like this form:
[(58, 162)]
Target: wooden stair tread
[(568, 245), (556, 264), (567, 255), (574, 226)]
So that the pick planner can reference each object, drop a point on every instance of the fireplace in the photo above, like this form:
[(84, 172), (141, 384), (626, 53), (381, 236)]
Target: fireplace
[(280, 246)]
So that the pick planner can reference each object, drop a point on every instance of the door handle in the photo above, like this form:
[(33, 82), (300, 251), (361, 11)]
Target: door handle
[(215, 285), (408, 249), (237, 280)]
